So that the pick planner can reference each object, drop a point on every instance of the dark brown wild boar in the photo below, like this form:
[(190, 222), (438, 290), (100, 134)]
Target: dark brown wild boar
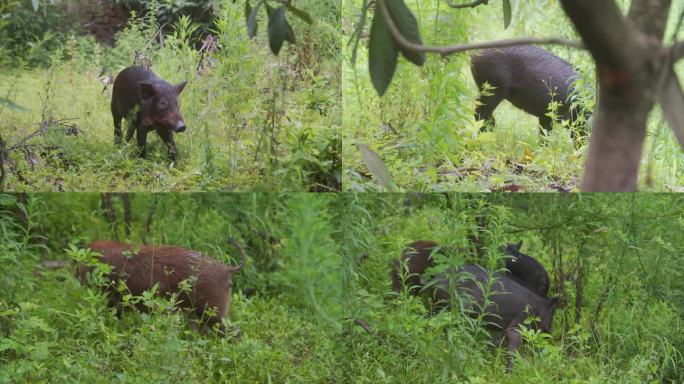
[(417, 257), (527, 76), (526, 269), (148, 103), (142, 267), (508, 305)]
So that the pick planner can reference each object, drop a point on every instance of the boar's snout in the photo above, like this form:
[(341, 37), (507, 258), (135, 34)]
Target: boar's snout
[(180, 126)]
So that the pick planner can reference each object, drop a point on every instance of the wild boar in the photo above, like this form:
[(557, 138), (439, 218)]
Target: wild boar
[(527, 76), (417, 257), (141, 267), (510, 302), (526, 269), (148, 103)]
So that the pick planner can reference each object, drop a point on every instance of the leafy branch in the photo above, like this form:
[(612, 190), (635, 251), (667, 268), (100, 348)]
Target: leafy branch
[(394, 29), (279, 29)]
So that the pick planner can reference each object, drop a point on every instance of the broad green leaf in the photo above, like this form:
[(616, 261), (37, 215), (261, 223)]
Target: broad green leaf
[(301, 14), (406, 23), (382, 54), (248, 11), (277, 29), (507, 13), (251, 19), (376, 167)]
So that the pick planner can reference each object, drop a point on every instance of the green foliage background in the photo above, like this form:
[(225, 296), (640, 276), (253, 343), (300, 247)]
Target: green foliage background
[(424, 128), (286, 302), (615, 261), (255, 121)]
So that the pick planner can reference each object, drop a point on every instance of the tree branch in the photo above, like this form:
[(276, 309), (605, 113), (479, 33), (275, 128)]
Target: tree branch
[(369, 330), (467, 5), (650, 16), (677, 51), (671, 100), (605, 31), (451, 49)]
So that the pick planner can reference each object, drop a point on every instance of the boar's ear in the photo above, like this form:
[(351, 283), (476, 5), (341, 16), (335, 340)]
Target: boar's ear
[(147, 91), (180, 86), (519, 245)]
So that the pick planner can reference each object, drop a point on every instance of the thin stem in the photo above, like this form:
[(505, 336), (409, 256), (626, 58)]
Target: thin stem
[(448, 50)]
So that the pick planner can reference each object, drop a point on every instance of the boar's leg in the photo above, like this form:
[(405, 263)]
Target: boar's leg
[(514, 338), (545, 125), (115, 302), (167, 137), (141, 135), (486, 106), (130, 130), (117, 128)]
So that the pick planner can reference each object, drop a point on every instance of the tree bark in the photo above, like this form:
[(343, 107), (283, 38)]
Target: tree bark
[(109, 213), (125, 197), (629, 62)]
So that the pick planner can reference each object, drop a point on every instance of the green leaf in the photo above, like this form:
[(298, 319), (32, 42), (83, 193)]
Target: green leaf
[(376, 167), (507, 13), (301, 14), (248, 10), (407, 24), (277, 29), (252, 19), (382, 54)]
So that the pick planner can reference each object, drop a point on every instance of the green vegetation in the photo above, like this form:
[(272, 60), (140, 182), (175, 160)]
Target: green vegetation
[(318, 268), (255, 120), (614, 261), (424, 130), (286, 302)]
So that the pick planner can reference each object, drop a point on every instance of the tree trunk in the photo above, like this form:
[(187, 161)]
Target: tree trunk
[(628, 55)]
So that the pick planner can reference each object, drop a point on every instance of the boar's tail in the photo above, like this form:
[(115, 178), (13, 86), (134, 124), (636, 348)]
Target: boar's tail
[(235, 244)]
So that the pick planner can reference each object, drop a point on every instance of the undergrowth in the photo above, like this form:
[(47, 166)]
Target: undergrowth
[(620, 320), (285, 311)]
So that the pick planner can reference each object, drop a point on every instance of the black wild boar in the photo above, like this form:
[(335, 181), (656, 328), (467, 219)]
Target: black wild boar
[(510, 302), (526, 269), (142, 267), (417, 258), (527, 76), (148, 103)]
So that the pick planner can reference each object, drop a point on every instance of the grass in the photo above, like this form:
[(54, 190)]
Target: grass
[(256, 121), (424, 128), (318, 269)]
